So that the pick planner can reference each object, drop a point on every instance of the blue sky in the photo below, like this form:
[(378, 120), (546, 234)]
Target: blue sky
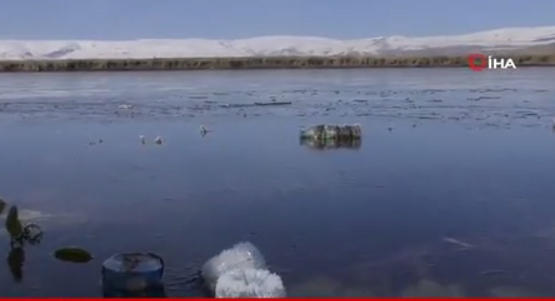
[(130, 19)]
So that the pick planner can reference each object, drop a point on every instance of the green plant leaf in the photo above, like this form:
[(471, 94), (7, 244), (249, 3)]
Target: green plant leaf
[(13, 225), (73, 254)]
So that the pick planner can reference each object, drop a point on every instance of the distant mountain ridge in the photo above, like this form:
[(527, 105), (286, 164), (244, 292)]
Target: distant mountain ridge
[(506, 40)]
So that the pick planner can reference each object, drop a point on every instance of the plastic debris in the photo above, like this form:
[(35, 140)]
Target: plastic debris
[(100, 141), (126, 274), (332, 132), (158, 140), (243, 255), (256, 104), (249, 283), (203, 130), (125, 107), (32, 233), (273, 103), (332, 136), (241, 271), (143, 139)]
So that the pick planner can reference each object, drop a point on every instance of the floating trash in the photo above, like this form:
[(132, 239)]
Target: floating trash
[(32, 233), (256, 104), (125, 107), (241, 272), (203, 130), (143, 139), (273, 103), (100, 141), (133, 274), (249, 283), (332, 136), (158, 140), (331, 132)]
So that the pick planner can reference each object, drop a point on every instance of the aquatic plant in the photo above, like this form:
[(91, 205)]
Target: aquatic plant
[(73, 254), (19, 235), (13, 225), (281, 62)]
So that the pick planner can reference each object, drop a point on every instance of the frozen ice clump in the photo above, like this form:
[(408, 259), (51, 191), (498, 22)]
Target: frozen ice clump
[(249, 283), (243, 255)]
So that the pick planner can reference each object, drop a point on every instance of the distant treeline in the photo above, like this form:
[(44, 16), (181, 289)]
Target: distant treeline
[(252, 63)]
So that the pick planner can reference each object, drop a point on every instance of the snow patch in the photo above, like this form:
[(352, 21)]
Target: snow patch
[(506, 38)]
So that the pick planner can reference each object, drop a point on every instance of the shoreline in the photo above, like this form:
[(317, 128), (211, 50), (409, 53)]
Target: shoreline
[(247, 63)]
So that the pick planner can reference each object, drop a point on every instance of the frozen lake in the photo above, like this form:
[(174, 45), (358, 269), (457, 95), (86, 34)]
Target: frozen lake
[(449, 193)]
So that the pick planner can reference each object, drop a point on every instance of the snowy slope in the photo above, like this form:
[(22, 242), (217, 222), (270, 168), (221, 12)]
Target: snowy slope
[(494, 40)]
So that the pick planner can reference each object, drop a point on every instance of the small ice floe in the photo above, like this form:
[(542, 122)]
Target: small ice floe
[(158, 140), (125, 107), (143, 139), (241, 272)]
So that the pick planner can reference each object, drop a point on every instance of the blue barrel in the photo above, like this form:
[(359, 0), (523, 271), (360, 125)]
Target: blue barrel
[(133, 274)]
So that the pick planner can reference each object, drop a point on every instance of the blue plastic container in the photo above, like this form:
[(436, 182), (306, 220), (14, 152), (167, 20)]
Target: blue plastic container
[(133, 274)]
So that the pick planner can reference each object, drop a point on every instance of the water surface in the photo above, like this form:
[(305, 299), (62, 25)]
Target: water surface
[(446, 154)]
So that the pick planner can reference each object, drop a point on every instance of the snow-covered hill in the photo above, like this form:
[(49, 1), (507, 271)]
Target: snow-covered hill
[(507, 39)]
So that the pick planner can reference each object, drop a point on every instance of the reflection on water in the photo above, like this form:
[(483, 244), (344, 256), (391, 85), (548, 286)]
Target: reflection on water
[(467, 164), (157, 291), (16, 258), (324, 144)]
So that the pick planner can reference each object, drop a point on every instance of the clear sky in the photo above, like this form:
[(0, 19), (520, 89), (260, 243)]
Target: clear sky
[(130, 19)]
